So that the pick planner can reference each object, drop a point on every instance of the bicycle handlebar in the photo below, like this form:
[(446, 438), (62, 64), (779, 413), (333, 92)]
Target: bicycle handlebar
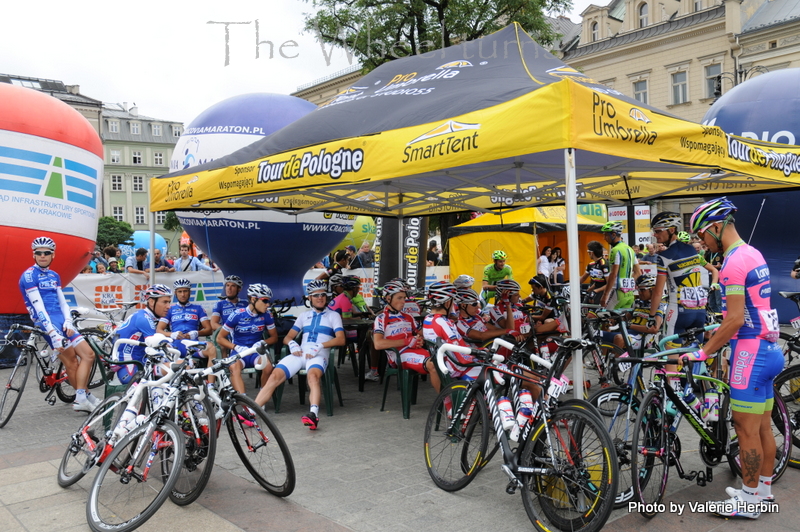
[(686, 333), (499, 342)]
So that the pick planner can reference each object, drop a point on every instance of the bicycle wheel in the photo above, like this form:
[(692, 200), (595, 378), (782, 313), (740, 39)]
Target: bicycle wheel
[(64, 389), (790, 347), (261, 447), (781, 430), (650, 453), (105, 343), (196, 420), (79, 457), (787, 386), (454, 452), (618, 409), (130, 487), (14, 387), (576, 482)]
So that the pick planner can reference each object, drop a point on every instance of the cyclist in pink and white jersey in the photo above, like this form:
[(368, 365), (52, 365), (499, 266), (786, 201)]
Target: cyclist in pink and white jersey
[(751, 326)]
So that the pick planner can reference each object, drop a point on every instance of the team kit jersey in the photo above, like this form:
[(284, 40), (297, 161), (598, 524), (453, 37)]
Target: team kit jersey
[(640, 316), (317, 327), (491, 275), (247, 327), (138, 326), (439, 327), (41, 291), (622, 254), (226, 307), (686, 295), (471, 323), (756, 358), (598, 271), (401, 326), (187, 319), (343, 305), (499, 312)]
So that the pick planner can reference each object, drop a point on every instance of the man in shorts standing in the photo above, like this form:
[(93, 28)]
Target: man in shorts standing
[(751, 326), (623, 269)]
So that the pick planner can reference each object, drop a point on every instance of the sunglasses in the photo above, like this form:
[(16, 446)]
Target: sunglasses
[(264, 300), (43, 253), (318, 295)]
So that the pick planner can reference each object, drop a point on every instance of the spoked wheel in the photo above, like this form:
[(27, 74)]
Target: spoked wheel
[(261, 447), (619, 416), (129, 488), (781, 429), (105, 343), (64, 389), (14, 386), (787, 386), (650, 452), (576, 482), (455, 452), (196, 420), (86, 446)]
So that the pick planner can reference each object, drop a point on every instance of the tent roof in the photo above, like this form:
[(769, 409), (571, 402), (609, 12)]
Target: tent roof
[(479, 126), (530, 220)]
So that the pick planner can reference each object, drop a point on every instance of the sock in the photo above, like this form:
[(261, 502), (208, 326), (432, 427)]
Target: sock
[(315, 409), (80, 395), (764, 487), (749, 495)]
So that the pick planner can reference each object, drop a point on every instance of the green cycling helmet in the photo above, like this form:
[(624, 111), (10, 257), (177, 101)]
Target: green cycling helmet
[(684, 237), (612, 227), (499, 255)]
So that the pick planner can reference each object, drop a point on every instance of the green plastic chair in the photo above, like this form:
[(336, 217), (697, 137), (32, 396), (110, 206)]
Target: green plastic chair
[(407, 382), (329, 382)]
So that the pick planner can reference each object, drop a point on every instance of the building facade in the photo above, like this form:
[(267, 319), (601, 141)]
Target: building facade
[(137, 148)]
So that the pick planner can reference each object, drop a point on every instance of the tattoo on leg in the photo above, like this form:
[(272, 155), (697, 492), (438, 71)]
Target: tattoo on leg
[(751, 464)]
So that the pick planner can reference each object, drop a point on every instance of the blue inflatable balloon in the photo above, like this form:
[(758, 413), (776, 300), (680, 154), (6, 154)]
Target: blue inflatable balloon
[(766, 107), (141, 239), (260, 246)]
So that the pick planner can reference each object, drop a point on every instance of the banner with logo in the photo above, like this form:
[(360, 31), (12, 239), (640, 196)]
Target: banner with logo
[(641, 213), (436, 133)]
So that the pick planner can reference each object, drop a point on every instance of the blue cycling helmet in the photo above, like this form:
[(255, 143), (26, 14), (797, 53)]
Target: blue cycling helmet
[(716, 210)]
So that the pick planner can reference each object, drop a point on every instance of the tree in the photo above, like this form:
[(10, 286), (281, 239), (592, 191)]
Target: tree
[(111, 232), (378, 31), (171, 222)]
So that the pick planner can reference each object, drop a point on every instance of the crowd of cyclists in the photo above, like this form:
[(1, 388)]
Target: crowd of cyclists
[(457, 313)]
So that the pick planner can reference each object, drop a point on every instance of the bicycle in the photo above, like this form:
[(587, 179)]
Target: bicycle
[(254, 436), (790, 343), (563, 464), (787, 386), (655, 446), (50, 372)]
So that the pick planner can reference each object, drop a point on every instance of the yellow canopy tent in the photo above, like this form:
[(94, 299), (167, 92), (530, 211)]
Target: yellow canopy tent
[(521, 234)]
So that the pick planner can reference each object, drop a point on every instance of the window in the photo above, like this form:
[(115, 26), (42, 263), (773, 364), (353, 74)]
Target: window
[(26, 83), (773, 44), (118, 213), (158, 159), (139, 215), (176, 131), (135, 128), (161, 217), (640, 90), (156, 130), (712, 71), (643, 12), (138, 183), (680, 88), (698, 5), (595, 31), (113, 126), (115, 157), (137, 157), (116, 183)]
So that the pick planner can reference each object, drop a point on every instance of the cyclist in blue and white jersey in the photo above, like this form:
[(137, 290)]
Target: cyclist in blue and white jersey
[(185, 321), (245, 328), (140, 326), (41, 291), (230, 303), (321, 328)]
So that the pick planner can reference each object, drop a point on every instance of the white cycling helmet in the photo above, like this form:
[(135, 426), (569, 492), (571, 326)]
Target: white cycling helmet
[(467, 296), (464, 281), (441, 292), (235, 279), (156, 291), (182, 283), (43, 242), (259, 290), (317, 285)]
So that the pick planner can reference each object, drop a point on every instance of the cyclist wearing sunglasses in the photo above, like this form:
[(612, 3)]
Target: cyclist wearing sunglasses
[(245, 328), (41, 291), (320, 329), (470, 323)]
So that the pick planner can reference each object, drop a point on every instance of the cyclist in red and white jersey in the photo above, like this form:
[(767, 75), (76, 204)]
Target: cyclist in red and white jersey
[(751, 326)]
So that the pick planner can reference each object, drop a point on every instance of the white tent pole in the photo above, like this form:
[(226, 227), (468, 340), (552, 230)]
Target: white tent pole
[(152, 228), (571, 201)]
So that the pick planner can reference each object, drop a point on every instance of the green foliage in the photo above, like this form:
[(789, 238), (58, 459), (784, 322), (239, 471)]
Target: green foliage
[(171, 222), (378, 31), (110, 232)]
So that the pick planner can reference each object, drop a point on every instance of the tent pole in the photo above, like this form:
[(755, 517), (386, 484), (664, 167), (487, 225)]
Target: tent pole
[(152, 224), (571, 201)]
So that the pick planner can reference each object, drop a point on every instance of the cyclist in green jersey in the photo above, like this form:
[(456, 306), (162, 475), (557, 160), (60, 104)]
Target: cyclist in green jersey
[(623, 269), (495, 272)]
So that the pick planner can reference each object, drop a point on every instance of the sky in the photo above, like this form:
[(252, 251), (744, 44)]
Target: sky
[(170, 57)]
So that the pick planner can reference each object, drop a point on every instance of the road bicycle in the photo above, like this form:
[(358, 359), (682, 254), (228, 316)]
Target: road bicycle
[(564, 463), (51, 375), (655, 445), (790, 343)]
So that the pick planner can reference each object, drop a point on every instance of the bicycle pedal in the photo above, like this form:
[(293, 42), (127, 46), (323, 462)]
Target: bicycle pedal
[(511, 489), (51, 401)]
